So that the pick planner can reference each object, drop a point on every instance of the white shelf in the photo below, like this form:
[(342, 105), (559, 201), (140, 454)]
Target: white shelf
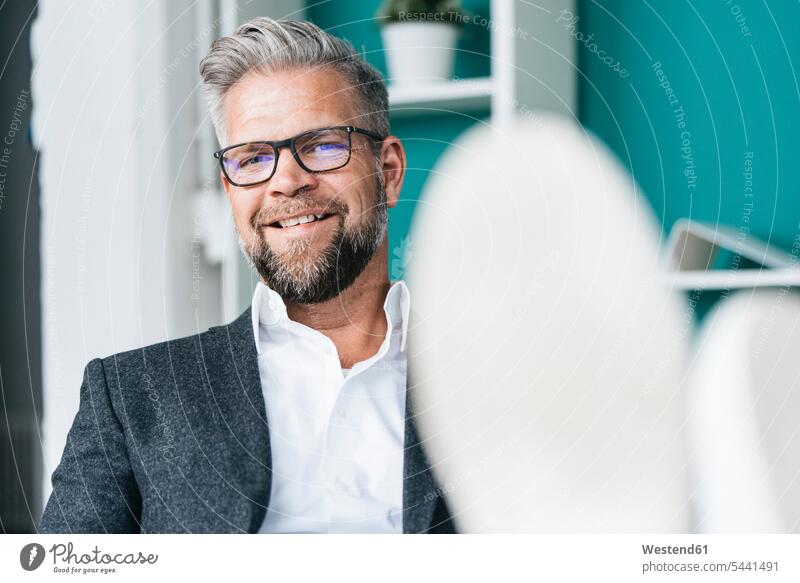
[(410, 98), (533, 69), (693, 246), (733, 279)]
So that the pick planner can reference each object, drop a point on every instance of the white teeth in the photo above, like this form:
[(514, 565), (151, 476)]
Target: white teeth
[(298, 220)]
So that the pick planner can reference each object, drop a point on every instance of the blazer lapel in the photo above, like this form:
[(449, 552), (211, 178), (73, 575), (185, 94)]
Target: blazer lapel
[(246, 415), (419, 486)]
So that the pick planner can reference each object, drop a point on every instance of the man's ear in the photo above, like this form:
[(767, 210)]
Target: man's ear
[(393, 167)]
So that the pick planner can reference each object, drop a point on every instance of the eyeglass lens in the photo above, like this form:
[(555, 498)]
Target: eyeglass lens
[(318, 151)]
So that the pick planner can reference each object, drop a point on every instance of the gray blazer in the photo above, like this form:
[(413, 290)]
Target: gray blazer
[(174, 437)]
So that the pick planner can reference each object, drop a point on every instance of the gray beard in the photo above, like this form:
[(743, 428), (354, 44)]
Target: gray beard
[(299, 277)]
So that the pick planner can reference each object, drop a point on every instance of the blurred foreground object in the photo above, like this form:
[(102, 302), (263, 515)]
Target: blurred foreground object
[(547, 356), (745, 400)]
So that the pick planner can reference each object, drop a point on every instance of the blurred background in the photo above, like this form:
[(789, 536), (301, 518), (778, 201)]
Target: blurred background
[(114, 230)]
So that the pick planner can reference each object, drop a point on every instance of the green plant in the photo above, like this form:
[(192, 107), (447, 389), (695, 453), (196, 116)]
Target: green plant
[(448, 11)]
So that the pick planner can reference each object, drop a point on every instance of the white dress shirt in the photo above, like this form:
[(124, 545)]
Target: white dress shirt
[(337, 437)]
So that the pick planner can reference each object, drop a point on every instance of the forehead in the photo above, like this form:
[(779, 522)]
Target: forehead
[(280, 104)]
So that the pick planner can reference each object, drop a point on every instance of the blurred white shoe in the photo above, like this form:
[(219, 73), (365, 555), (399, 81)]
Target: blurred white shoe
[(546, 355), (745, 414)]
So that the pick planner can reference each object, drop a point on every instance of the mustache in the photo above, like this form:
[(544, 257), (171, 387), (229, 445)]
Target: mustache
[(268, 215)]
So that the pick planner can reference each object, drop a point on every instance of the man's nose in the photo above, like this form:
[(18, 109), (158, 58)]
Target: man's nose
[(289, 176)]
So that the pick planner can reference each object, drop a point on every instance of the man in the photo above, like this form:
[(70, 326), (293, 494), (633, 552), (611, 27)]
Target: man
[(295, 417)]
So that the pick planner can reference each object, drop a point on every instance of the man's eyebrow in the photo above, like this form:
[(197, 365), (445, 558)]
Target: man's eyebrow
[(311, 129)]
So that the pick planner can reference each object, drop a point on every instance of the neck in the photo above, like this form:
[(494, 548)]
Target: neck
[(354, 320)]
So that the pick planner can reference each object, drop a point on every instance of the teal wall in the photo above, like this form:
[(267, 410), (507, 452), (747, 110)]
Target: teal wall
[(731, 65), (425, 137), (738, 88)]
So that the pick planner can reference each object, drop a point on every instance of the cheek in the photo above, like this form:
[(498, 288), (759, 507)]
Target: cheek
[(366, 204), (243, 211), (359, 196)]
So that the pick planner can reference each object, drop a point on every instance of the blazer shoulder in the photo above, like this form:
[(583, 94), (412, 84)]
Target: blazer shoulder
[(153, 354), (177, 354)]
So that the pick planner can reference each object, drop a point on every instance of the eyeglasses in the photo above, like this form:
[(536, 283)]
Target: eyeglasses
[(318, 150)]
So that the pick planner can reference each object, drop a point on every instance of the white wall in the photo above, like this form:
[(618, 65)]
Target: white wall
[(135, 228), (114, 117)]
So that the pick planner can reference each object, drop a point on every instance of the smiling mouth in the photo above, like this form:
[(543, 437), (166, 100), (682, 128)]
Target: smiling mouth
[(299, 222)]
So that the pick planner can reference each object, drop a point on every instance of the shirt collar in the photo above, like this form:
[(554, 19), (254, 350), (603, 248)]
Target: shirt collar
[(269, 309)]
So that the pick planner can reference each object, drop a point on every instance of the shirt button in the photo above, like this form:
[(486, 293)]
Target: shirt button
[(341, 413)]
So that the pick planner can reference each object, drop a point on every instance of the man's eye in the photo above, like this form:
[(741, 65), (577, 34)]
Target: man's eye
[(260, 159), (325, 148)]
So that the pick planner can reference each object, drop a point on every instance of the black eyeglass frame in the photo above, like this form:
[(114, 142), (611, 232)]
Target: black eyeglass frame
[(278, 144)]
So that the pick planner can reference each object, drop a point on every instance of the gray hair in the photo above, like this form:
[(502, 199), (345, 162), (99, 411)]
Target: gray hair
[(265, 45)]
